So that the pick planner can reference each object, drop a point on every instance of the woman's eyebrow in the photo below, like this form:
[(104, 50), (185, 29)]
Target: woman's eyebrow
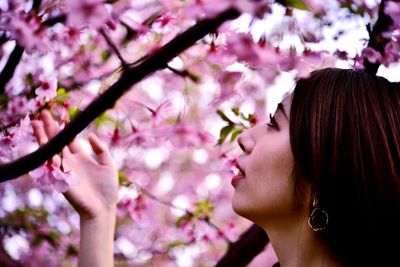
[(282, 109)]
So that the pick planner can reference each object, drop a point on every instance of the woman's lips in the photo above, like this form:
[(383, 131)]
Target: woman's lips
[(236, 179), (239, 175)]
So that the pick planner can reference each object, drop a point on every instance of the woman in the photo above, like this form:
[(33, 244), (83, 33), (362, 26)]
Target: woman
[(322, 177)]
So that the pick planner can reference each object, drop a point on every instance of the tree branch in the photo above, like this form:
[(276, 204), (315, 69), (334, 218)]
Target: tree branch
[(15, 57), (251, 242), (376, 40), (54, 20), (131, 76), (11, 65), (188, 212), (36, 5), (114, 48), (243, 251)]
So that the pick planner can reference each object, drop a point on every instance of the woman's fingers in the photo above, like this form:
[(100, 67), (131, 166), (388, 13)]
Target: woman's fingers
[(42, 137), (100, 150), (39, 132), (52, 129), (50, 125)]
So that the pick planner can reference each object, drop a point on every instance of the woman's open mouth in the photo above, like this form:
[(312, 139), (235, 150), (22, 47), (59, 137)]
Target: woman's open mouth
[(239, 174)]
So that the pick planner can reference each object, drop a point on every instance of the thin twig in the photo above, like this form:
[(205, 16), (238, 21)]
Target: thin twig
[(376, 40), (114, 48), (184, 73), (154, 62), (11, 65), (188, 212), (36, 5), (54, 20)]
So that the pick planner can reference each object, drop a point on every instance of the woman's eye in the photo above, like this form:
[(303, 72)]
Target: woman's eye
[(272, 122)]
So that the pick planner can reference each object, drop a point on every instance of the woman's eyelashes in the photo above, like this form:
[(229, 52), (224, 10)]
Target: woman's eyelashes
[(272, 122)]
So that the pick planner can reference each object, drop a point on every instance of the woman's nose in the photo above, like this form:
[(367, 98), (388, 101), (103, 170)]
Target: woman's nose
[(245, 142)]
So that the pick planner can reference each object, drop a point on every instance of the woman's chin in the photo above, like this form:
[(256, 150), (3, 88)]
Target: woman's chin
[(239, 206)]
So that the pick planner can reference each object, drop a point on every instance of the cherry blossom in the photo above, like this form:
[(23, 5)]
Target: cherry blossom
[(87, 12), (161, 112), (47, 88), (393, 10), (392, 53), (372, 55), (228, 82), (163, 133), (51, 175), (255, 54), (26, 29)]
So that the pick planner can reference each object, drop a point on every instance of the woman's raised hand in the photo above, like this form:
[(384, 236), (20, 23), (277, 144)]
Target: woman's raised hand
[(94, 197), (96, 192)]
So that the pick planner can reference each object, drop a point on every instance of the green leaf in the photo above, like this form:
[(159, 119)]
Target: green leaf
[(223, 116), (105, 55), (101, 119), (51, 237), (29, 79), (235, 134), (194, 77), (225, 132), (176, 243), (122, 178), (72, 112), (61, 91), (62, 96), (187, 217), (299, 4), (236, 111), (203, 208), (67, 264), (3, 100)]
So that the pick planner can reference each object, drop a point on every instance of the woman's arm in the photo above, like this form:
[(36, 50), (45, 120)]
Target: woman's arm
[(94, 197), (97, 239)]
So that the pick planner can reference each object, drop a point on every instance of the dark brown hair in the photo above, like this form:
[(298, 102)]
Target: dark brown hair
[(345, 138)]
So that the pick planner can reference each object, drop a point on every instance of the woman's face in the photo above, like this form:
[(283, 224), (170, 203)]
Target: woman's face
[(263, 190)]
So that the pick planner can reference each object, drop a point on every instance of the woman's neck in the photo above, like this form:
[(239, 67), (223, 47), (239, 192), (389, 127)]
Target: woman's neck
[(296, 245)]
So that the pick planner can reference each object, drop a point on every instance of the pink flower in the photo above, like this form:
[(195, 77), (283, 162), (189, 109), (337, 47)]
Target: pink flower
[(16, 107), (131, 207), (161, 112), (7, 143), (392, 9), (217, 54), (228, 81), (26, 29), (87, 12), (255, 8), (257, 55), (49, 174), (165, 19), (17, 141), (392, 53), (371, 54), (47, 88), (140, 137), (316, 6), (185, 135), (141, 28)]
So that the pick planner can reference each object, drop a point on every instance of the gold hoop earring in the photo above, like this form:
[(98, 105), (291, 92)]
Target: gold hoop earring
[(318, 220)]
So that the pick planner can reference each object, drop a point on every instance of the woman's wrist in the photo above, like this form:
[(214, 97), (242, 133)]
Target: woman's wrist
[(97, 239), (99, 215)]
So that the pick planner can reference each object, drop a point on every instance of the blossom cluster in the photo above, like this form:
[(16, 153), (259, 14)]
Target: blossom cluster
[(171, 135)]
